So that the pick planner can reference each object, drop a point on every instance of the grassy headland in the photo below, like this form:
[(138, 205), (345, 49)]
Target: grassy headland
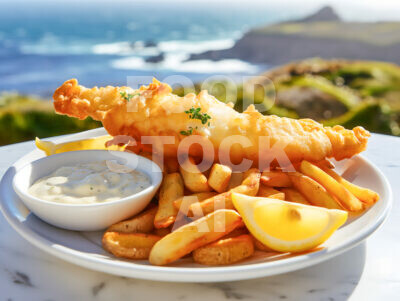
[(24, 118)]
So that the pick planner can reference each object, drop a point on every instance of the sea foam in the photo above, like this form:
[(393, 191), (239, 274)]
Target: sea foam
[(177, 63)]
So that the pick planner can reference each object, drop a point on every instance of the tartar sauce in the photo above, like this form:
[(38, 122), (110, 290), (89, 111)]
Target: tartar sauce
[(88, 183)]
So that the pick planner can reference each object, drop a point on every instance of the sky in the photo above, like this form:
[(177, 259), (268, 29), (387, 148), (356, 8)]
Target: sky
[(362, 10)]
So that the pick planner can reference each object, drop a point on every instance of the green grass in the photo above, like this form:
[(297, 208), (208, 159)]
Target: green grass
[(24, 118), (370, 90), (382, 33), (375, 116), (344, 95), (371, 80)]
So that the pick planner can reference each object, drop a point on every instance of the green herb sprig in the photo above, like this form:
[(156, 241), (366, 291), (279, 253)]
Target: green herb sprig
[(128, 96), (194, 113), (188, 132)]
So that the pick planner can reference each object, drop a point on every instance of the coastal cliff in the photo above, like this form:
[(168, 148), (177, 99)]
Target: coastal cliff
[(322, 34)]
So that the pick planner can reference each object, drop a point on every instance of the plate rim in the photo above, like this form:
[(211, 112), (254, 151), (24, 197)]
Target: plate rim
[(190, 274)]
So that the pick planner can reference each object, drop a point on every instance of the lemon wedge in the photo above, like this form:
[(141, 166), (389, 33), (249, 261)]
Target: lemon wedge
[(285, 226), (51, 148)]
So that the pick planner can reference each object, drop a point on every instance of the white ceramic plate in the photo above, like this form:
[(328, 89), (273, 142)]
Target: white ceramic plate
[(84, 248)]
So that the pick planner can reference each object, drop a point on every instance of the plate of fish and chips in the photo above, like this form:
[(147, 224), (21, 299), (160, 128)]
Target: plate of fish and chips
[(275, 220)]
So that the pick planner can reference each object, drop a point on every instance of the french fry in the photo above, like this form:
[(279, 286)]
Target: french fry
[(276, 178), (296, 166), (325, 164), (240, 230), (294, 196), (219, 178), (347, 199), (269, 192), (194, 235), (184, 202), (129, 245), (171, 189), (258, 245), (182, 220), (162, 231), (194, 180), (207, 173), (171, 164), (314, 192), (249, 172), (365, 195), (236, 180), (225, 251), (143, 222), (249, 186), (182, 205), (219, 201)]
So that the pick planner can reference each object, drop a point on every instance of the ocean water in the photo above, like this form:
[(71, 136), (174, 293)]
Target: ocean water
[(43, 43)]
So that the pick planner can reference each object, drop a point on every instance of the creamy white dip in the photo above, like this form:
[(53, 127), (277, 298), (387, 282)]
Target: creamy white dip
[(88, 183)]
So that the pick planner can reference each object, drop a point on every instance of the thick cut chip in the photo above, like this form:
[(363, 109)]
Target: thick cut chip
[(314, 192), (269, 192), (194, 235), (365, 195), (276, 178), (129, 245), (171, 189), (219, 178), (249, 186), (194, 180), (143, 222), (225, 251), (346, 198), (293, 195)]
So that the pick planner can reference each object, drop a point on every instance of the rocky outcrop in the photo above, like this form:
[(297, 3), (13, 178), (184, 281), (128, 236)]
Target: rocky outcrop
[(325, 14)]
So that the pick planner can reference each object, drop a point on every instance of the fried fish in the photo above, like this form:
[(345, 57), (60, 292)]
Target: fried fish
[(154, 111)]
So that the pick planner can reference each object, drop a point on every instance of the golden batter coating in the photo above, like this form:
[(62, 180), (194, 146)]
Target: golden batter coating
[(154, 111)]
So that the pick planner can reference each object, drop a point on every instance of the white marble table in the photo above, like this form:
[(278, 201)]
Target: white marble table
[(370, 271)]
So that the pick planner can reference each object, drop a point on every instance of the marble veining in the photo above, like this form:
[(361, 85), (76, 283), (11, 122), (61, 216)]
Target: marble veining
[(97, 288), (20, 278), (366, 272)]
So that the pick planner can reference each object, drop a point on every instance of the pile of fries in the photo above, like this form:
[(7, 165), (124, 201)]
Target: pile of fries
[(186, 216)]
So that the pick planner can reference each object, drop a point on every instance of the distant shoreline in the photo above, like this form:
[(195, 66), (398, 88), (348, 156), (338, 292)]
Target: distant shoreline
[(276, 49), (322, 35)]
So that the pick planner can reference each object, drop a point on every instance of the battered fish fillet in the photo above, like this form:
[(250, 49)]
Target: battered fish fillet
[(154, 111)]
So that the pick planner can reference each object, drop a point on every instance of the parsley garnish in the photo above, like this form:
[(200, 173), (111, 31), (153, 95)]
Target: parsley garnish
[(194, 113), (188, 132), (128, 96)]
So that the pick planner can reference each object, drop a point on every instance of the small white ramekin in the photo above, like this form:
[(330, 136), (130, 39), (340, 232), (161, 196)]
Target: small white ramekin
[(86, 217)]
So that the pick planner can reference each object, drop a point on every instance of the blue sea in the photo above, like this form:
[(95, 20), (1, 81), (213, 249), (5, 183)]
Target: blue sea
[(43, 43)]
